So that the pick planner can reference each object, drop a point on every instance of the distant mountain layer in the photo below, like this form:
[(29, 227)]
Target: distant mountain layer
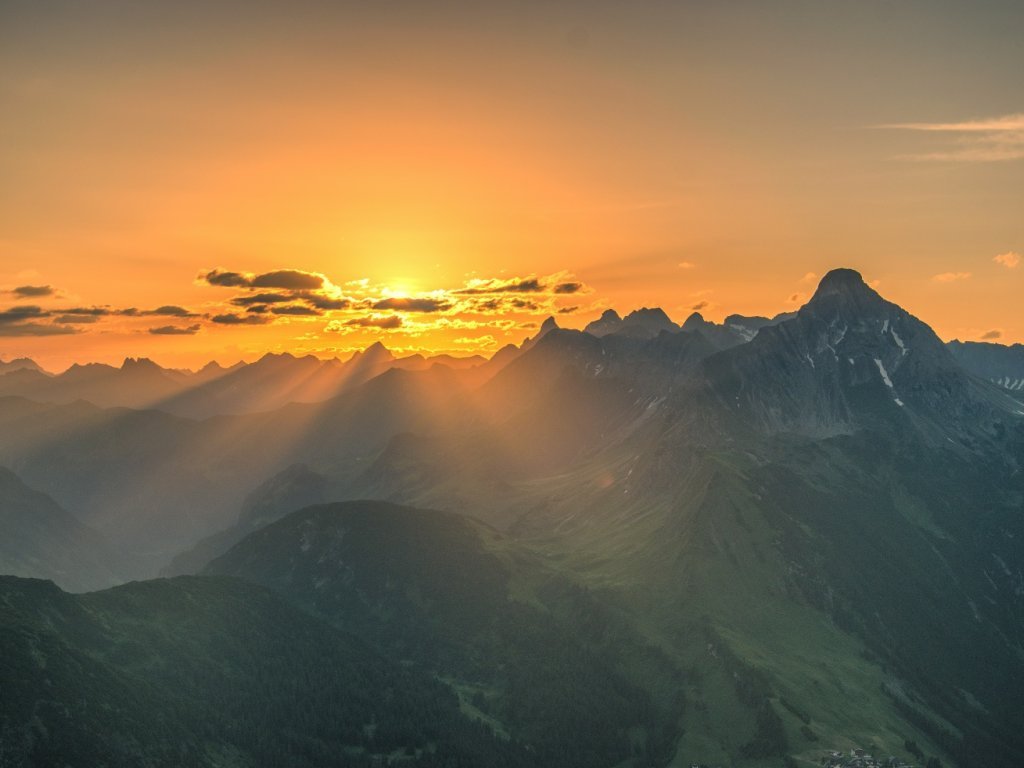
[(41, 539), (271, 382)]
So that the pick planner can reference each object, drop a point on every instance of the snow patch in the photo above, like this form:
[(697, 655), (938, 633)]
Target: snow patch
[(898, 401), (885, 373), (885, 325), (810, 360), (899, 341)]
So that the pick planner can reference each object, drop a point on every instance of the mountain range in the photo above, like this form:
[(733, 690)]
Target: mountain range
[(744, 543)]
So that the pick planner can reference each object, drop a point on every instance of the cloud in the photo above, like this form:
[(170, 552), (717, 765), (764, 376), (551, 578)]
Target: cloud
[(995, 333), (290, 279), (808, 277), (571, 287), (228, 319), (326, 303), (700, 305), (296, 309), (35, 329), (383, 322), (23, 321), (402, 304), (226, 279), (567, 310), (77, 319), (1010, 259), (686, 265), (21, 314), (376, 321), (982, 140), (170, 310), (951, 277), (173, 330), (515, 285), (33, 291)]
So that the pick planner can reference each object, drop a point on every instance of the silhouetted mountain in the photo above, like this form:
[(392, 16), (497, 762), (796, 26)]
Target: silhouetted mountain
[(998, 363), (19, 364), (641, 323), (42, 540)]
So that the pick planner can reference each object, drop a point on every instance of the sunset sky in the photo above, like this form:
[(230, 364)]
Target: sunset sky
[(188, 181)]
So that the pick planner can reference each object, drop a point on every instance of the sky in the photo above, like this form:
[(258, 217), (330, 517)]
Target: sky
[(192, 181)]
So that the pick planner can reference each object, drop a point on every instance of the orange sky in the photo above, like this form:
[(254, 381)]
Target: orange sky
[(670, 154)]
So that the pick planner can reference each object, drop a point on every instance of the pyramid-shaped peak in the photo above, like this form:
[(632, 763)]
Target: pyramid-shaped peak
[(377, 350), (695, 320), (842, 281), (548, 325)]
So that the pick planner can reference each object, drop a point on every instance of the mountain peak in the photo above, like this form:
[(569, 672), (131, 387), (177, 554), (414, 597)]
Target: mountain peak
[(377, 351), (139, 364), (695, 320), (548, 325), (841, 281)]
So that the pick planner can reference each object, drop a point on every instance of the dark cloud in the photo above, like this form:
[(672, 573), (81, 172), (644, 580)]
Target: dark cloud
[(567, 310), (391, 321), (239, 319), (412, 305), (227, 279), (995, 333), (258, 309), (33, 291), (262, 298), (526, 285), (291, 279), (95, 311), (523, 304), (170, 310), (568, 287), (76, 319), (21, 321), (295, 309), (322, 302), (173, 330), (699, 306), (36, 329), (21, 314)]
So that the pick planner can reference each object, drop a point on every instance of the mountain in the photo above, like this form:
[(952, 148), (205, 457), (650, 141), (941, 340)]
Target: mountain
[(138, 383), (542, 659), (19, 364), (272, 382), (998, 363), (748, 326), (641, 323), (816, 522), (42, 540), (213, 672)]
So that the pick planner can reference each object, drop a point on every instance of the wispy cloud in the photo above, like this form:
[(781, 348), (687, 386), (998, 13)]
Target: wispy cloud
[(1010, 260), (950, 277), (983, 140)]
